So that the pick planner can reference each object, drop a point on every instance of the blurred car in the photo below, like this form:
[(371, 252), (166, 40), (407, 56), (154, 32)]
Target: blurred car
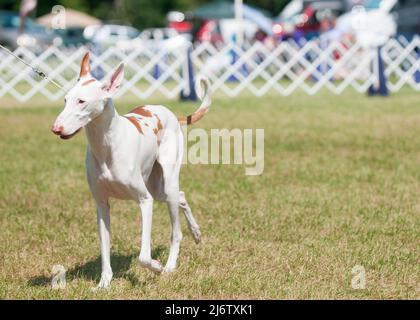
[(222, 31), (34, 36), (72, 36), (306, 19), (110, 34), (209, 31), (156, 39)]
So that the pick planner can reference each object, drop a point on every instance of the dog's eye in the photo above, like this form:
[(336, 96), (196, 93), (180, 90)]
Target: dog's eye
[(80, 101)]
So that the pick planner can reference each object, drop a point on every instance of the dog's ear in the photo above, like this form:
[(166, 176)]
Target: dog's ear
[(85, 67), (114, 82)]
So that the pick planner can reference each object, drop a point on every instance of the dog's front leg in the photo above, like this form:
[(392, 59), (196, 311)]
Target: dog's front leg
[(145, 258), (104, 237)]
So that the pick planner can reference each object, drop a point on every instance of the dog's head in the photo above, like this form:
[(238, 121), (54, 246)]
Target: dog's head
[(86, 100)]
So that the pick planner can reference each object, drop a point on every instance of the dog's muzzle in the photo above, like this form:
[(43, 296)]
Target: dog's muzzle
[(59, 132), (70, 135)]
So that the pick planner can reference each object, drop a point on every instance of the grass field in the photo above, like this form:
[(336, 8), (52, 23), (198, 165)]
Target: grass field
[(341, 188)]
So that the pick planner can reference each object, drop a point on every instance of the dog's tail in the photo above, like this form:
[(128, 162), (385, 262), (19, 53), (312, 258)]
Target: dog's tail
[(202, 87)]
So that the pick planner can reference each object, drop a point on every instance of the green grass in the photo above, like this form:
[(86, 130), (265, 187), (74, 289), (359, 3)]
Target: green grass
[(341, 187)]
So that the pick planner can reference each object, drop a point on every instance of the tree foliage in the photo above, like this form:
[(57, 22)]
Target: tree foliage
[(139, 13)]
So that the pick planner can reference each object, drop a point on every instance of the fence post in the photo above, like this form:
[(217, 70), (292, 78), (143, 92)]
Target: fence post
[(417, 72), (234, 58), (379, 86), (188, 93)]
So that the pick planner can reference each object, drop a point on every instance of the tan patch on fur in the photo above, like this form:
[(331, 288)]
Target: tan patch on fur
[(136, 123), (193, 118), (142, 112), (158, 129), (87, 82)]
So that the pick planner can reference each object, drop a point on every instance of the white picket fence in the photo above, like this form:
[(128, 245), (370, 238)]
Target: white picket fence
[(257, 68)]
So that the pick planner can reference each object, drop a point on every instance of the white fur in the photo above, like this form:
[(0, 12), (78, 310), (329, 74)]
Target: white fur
[(125, 164)]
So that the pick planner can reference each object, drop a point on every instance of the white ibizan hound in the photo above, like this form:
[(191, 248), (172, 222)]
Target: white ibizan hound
[(133, 157)]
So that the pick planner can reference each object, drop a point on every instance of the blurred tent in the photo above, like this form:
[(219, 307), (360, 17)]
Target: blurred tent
[(73, 18), (222, 9)]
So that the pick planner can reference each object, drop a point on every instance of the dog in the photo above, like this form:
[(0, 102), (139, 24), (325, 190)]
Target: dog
[(137, 157)]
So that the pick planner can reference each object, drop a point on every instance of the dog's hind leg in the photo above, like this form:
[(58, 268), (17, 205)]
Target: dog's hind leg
[(171, 191), (145, 258), (192, 224), (176, 234)]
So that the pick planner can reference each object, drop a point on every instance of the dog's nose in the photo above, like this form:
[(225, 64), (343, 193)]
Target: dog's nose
[(56, 129)]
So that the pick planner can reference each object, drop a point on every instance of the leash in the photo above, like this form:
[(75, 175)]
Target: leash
[(37, 71)]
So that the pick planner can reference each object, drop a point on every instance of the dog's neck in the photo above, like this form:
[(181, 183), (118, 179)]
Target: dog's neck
[(101, 132)]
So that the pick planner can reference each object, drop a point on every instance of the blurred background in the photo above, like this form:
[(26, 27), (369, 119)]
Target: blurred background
[(279, 45), (109, 22)]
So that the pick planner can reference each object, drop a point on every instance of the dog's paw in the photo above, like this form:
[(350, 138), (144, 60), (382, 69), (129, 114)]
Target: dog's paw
[(152, 265), (196, 233), (104, 283), (156, 266)]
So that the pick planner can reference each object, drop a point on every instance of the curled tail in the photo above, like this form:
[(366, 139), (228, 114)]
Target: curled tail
[(202, 87)]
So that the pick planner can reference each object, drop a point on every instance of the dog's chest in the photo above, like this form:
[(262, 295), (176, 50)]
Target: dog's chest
[(118, 173), (106, 175), (119, 180)]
